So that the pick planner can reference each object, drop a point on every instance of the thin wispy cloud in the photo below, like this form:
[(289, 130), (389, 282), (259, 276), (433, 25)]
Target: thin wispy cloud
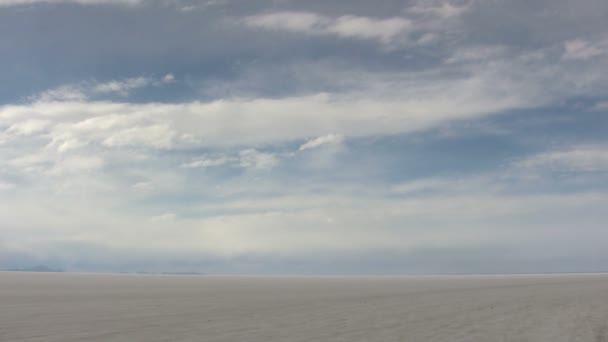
[(330, 139), (85, 90), (347, 26), (6, 3), (575, 158)]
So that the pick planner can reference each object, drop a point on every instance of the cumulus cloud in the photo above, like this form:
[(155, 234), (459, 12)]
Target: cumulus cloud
[(347, 26)]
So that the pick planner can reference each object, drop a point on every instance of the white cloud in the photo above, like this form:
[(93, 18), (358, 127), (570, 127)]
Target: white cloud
[(582, 49), (427, 184), (144, 185), (125, 86), (63, 93), (255, 160), (83, 91), (28, 127), (330, 139), (6, 186), (375, 104), (578, 158), (164, 217), (168, 78), (206, 162), (300, 224), (295, 221), (384, 30), (64, 142), (249, 159), (421, 103), (156, 135), (441, 9), (122, 87), (465, 185), (348, 26), (34, 162), (76, 165)]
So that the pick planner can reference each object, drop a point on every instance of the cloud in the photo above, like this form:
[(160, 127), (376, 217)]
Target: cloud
[(85, 90), (442, 9), (427, 184), (242, 122), (603, 105), (330, 139), (384, 104), (168, 78), (292, 224), (155, 135), (164, 217), (28, 127), (63, 93), (122, 87), (248, 159), (206, 162), (6, 3), (581, 49), (255, 160), (583, 158), (6, 186), (347, 26), (76, 165)]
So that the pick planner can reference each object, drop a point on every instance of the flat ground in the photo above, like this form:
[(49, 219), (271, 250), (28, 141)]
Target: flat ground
[(94, 307)]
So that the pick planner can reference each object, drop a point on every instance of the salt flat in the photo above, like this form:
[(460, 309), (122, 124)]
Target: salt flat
[(97, 307)]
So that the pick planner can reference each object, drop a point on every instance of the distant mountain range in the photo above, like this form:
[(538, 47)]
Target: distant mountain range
[(47, 269), (170, 273), (39, 268)]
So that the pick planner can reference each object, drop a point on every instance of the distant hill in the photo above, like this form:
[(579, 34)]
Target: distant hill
[(170, 273), (182, 273), (39, 268)]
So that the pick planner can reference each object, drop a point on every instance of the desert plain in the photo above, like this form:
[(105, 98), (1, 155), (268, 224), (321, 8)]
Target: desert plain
[(65, 307)]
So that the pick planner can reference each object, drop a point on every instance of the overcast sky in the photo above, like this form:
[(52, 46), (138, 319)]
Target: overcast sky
[(284, 137)]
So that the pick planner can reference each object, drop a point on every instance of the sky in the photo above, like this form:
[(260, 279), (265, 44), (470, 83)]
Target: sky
[(304, 137)]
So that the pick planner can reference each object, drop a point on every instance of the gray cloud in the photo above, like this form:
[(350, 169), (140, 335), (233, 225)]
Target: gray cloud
[(80, 2)]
